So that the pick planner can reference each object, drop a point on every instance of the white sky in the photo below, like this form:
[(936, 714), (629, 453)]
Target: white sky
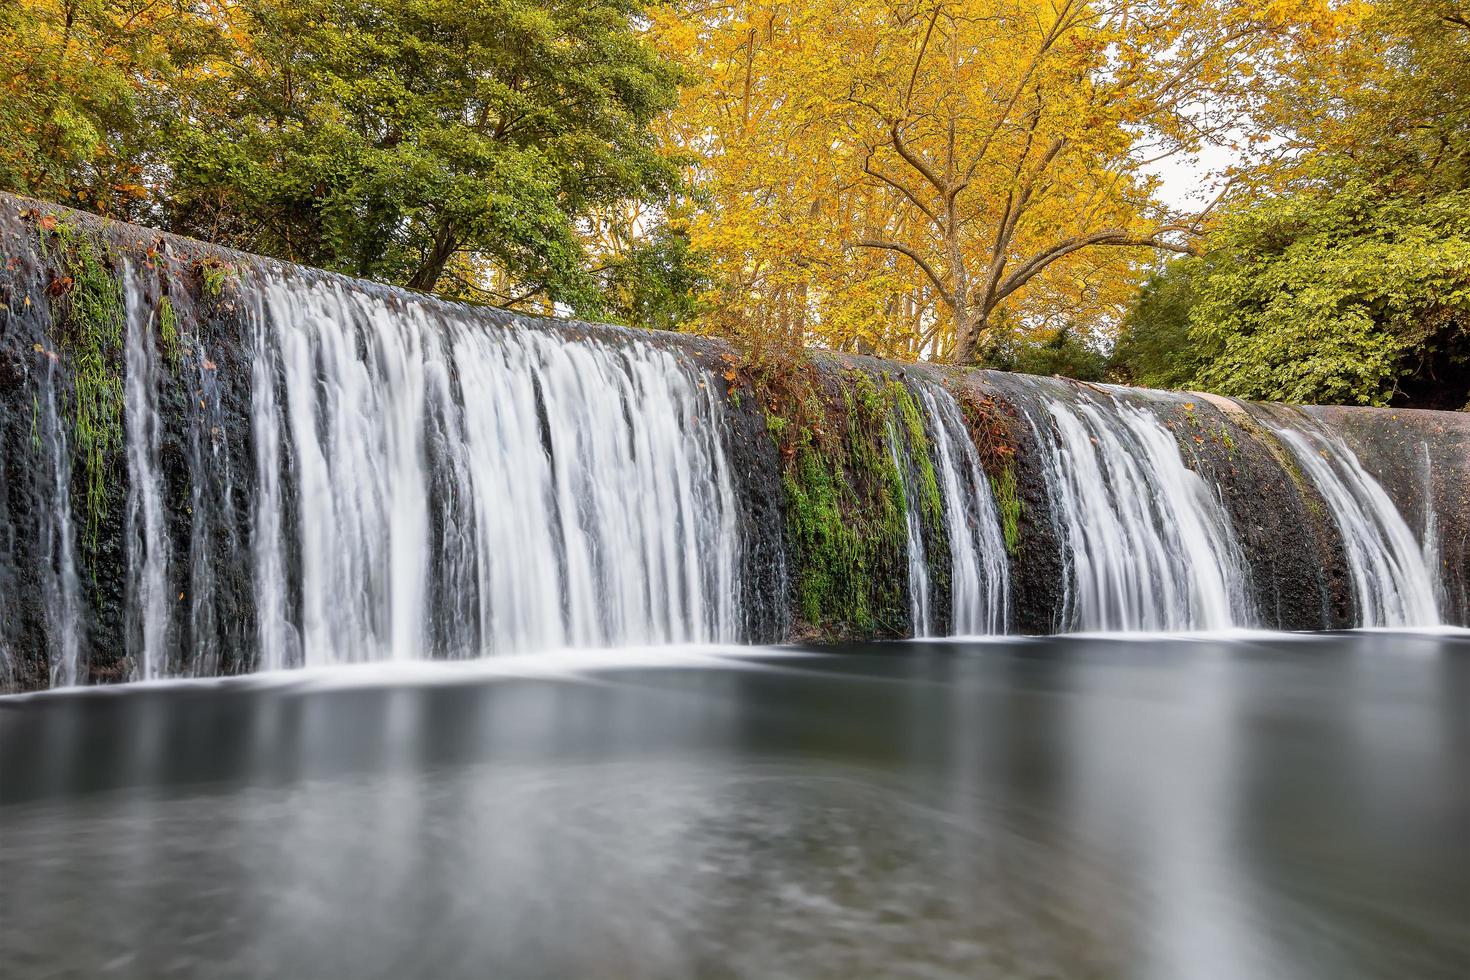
[(1186, 186)]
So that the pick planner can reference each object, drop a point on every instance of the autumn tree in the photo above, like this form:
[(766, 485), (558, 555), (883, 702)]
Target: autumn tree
[(933, 163), (87, 90)]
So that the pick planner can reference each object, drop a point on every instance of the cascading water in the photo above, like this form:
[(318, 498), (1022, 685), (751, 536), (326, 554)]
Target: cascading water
[(369, 475), (921, 611), (1429, 546), (61, 585), (979, 575), (148, 556), (1393, 583), (1149, 545), (469, 491)]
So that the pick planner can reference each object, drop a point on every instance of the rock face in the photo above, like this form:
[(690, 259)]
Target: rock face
[(212, 463)]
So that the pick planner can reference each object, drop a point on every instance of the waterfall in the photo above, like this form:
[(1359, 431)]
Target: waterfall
[(921, 612), (979, 576), (1149, 545), (1393, 584), (472, 491), (147, 539), (277, 640), (61, 586), (1429, 541), (300, 469)]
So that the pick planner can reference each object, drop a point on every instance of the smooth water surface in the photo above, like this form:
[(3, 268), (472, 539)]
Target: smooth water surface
[(1255, 807)]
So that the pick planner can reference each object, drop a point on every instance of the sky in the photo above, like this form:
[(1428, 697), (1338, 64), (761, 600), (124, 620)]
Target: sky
[(1186, 184)]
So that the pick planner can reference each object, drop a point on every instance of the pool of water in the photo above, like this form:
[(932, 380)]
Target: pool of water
[(1246, 807)]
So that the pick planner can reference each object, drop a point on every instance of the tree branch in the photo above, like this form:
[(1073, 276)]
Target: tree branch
[(901, 188), (914, 160), (908, 97), (1028, 269), (918, 260)]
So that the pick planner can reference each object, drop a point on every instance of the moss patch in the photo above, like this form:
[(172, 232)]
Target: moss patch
[(930, 503), (90, 318), (168, 332), (1306, 490), (1008, 502), (847, 501)]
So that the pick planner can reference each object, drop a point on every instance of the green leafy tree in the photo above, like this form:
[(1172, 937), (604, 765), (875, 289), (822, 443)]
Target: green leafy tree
[(1154, 347), (1350, 282), (393, 139), (1341, 296), (656, 280), (1046, 351)]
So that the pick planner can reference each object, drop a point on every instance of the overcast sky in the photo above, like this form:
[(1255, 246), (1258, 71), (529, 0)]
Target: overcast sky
[(1186, 185)]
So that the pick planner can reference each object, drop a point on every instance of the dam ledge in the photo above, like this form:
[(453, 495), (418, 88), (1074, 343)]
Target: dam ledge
[(304, 469)]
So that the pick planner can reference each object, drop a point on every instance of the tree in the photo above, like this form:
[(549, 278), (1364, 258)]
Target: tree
[(1390, 105), (386, 139), (1342, 295), (654, 279), (1351, 281), (1046, 351), (1154, 346), (84, 92), (931, 164)]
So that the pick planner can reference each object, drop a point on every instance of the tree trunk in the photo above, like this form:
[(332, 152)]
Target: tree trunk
[(426, 276)]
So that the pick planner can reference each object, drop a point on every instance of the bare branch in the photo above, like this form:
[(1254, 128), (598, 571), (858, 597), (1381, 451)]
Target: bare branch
[(898, 186), (914, 160), (917, 259), (1116, 237), (908, 97)]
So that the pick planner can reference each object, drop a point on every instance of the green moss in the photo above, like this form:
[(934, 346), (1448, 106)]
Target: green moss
[(1306, 490), (1227, 441), (1008, 500), (213, 275), (775, 426), (168, 331), (846, 501), (931, 507), (90, 318), (88, 302)]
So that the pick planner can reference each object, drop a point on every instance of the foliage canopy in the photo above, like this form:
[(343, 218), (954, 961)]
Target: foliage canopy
[(972, 180), (1349, 279)]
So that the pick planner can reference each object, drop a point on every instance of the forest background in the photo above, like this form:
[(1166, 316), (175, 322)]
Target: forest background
[(971, 181)]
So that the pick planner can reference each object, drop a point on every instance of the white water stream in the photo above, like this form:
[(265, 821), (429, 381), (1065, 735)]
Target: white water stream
[(147, 535), (480, 491), (1394, 578), (979, 574), (1149, 544)]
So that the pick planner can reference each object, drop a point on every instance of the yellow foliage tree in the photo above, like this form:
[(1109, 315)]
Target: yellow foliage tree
[(86, 90), (904, 176)]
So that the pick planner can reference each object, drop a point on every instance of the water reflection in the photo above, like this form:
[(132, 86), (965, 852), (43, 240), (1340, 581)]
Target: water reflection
[(1078, 807)]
